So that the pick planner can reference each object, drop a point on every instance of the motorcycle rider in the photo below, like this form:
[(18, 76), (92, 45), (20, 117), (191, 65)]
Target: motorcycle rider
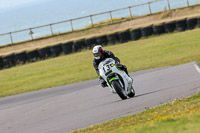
[(100, 55)]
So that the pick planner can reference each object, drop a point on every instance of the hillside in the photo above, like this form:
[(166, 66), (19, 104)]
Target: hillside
[(138, 21)]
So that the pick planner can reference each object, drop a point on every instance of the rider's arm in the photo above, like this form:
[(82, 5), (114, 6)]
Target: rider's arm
[(96, 67), (109, 54)]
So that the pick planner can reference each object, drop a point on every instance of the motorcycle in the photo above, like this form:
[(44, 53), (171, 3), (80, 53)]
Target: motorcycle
[(117, 80)]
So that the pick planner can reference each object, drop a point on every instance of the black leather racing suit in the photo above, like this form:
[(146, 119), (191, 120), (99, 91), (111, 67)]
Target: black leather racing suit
[(108, 54)]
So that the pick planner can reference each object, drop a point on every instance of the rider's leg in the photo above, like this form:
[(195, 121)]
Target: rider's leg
[(123, 67)]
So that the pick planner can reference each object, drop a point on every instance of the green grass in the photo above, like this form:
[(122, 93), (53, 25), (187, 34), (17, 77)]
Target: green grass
[(153, 52), (179, 116), (184, 124)]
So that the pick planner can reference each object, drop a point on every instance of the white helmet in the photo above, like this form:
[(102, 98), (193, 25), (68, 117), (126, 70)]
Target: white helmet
[(98, 52)]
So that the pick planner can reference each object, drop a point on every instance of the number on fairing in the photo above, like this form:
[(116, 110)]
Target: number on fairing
[(106, 68)]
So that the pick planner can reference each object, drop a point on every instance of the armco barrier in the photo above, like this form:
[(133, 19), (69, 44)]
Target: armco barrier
[(135, 34), (159, 29), (90, 42), (181, 25), (147, 31), (102, 40), (9, 61), (170, 26), (20, 58), (191, 23), (67, 47), (79, 45), (44, 52), (113, 38), (124, 36), (32, 55), (56, 50), (1, 63)]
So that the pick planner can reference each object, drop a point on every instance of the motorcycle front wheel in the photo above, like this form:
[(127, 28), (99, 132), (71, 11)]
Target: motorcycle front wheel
[(132, 93), (120, 91)]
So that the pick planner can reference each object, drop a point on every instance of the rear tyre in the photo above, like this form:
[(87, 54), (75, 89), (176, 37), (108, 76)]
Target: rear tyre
[(120, 91), (132, 94)]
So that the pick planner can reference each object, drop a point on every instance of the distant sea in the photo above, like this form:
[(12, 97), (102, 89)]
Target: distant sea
[(52, 11)]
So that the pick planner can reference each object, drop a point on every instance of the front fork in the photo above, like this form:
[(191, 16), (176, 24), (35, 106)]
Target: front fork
[(112, 88), (121, 84)]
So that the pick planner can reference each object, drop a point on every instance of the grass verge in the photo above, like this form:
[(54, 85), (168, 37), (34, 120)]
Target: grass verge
[(179, 116), (153, 52)]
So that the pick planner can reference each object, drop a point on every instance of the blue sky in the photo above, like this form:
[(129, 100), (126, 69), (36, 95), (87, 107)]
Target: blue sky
[(23, 14), (10, 4)]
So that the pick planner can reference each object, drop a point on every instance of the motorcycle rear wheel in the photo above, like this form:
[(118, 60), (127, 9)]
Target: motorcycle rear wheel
[(120, 91)]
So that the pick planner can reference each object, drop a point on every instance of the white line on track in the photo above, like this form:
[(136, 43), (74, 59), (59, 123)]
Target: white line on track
[(197, 68)]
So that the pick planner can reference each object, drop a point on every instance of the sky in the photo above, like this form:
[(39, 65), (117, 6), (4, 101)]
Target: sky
[(22, 14), (9, 4)]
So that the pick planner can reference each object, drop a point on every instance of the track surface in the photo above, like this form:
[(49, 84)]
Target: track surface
[(66, 108)]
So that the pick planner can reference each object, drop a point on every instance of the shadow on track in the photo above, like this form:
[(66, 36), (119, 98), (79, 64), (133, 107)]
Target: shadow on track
[(135, 96)]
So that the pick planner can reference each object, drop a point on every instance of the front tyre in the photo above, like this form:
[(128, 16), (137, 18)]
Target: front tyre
[(132, 93), (120, 91)]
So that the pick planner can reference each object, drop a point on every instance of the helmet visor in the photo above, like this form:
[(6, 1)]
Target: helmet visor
[(97, 54)]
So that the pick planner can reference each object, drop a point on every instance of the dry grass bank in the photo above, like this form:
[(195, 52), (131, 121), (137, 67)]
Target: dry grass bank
[(148, 19)]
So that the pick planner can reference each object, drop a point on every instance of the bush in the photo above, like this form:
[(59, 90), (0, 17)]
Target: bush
[(124, 36), (20, 58), (113, 38), (170, 26), (1, 63), (181, 25), (56, 50), (44, 52), (79, 45), (147, 31), (9, 61), (90, 42), (67, 47), (159, 29), (191, 23), (102, 40), (32, 55), (135, 34)]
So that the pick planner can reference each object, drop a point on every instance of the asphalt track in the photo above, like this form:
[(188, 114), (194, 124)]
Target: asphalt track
[(66, 108)]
